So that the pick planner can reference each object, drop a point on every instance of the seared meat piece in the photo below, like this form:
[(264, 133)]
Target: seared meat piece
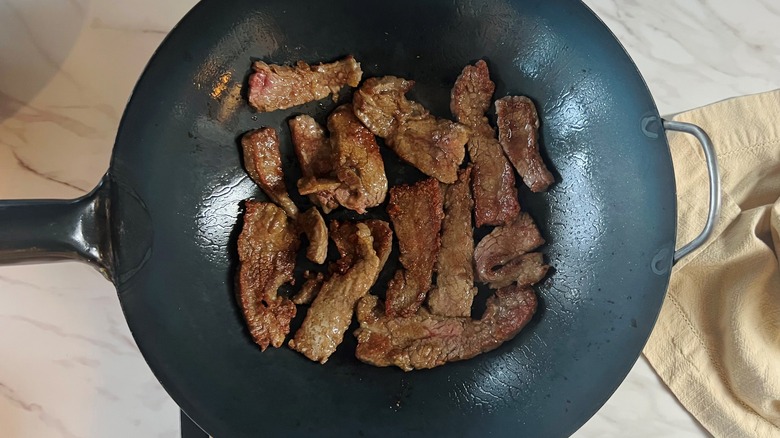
[(416, 212), (313, 225), (310, 288), (433, 145), (470, 98), (493, 181), (527, 270), (518, 125), (380, 103), (331, 312), (267, 247), (501, 257), (424, 340), (321, 192), (311, 146), (358, 163), (315, 156), (383, 239), (346, 169), (342, 234), (455, 291), (273, 87), (263, 162)]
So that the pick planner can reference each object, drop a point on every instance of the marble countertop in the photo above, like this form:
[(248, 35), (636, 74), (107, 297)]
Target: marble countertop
[(69, 365)]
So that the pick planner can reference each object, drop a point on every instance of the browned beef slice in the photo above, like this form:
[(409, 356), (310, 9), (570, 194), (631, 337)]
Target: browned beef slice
[(503, 256), (518, 126), (331, 311), (493, 180), (267, 247), (433, 145), (455, 291), (273, 87), (424, 340), (416, 212), (263, 162)]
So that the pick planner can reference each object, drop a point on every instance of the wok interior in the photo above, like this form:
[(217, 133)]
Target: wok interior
[(609, 214)]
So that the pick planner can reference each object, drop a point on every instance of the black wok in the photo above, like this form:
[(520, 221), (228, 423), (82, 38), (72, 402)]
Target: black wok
[(162, 223)]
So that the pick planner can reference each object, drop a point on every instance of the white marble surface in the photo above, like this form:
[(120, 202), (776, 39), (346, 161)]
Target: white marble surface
[(69, 367)]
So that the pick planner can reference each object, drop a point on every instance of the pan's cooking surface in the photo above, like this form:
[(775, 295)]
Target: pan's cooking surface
[(176, 170)]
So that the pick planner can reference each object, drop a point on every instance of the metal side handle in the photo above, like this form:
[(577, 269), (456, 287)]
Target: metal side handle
[(714, 177)]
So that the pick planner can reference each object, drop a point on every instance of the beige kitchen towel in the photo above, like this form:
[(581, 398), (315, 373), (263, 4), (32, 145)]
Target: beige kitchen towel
[(717, 340)]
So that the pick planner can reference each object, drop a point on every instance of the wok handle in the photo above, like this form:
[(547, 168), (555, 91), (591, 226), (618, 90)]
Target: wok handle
[(33, 230), (714, 176)]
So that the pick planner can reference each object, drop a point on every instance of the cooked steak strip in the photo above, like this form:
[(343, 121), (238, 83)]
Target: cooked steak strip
[(433, 145), (273, 87), (263, 162), (493, 183), (321, 192), (315, 156), (312, 223), (331, 311), (357, 161), (354, 175), (470, 98), (416, 212), (342, 234), (518, 126), (267, 247), (493, 180), (310, 288), (424, 340), (455, 291), (526, 270), (501, 257), (311, 146), (383, 240)]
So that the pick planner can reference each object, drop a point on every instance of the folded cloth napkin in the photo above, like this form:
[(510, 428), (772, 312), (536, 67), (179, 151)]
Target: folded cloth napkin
[(717, 340)]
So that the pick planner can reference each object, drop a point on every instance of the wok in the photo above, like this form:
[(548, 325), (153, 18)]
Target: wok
[(162, 223)]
